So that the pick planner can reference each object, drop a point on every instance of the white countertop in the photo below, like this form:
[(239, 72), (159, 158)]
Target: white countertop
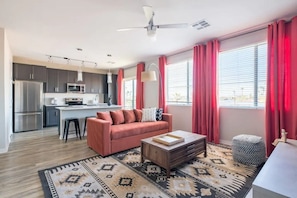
[(278, 176), (84, 107)]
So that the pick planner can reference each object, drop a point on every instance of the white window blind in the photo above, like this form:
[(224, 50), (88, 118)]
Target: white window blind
[(242, 76), (179, 79)]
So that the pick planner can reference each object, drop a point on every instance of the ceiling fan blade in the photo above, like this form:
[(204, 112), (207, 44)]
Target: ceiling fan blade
[(130, 28), (177, 25), (148, 12)]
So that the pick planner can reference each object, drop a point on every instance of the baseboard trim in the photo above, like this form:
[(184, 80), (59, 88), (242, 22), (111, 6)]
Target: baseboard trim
[(4, 150), (227, 142)]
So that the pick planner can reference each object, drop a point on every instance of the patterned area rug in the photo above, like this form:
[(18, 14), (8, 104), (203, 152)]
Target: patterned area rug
[(123, 175)]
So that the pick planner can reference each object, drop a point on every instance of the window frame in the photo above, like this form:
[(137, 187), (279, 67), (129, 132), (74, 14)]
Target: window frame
[(133, 79), (189, 83), (256, 80)]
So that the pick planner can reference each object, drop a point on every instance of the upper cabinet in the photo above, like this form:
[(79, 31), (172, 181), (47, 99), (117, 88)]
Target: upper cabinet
[(95, 83), (29, 72), (56, 81)]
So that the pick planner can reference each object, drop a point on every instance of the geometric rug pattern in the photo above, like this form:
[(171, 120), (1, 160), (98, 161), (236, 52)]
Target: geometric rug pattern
[(123, 175)]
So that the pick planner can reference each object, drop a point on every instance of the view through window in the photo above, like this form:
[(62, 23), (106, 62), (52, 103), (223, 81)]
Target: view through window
[(129, 93), (179, 80), (242, 76)]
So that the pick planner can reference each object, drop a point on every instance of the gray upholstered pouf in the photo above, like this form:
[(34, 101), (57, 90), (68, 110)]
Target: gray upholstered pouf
[(248, 149)]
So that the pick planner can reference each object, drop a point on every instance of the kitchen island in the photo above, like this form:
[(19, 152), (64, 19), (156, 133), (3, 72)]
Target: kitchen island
[(80, 112)]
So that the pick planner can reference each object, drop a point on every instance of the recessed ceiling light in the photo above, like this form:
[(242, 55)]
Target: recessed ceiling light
[(109, 55), (79, 49)]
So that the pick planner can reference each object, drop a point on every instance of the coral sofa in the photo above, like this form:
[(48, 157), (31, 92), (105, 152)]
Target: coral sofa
[(120, 130)]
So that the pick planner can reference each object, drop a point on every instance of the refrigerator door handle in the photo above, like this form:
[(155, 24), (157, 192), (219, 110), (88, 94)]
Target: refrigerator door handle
[(34, 113)]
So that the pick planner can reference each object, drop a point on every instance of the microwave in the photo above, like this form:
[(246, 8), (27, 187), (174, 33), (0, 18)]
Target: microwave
[(76, 88)]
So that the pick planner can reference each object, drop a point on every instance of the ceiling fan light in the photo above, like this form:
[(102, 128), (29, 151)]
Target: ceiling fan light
[(151, 34)]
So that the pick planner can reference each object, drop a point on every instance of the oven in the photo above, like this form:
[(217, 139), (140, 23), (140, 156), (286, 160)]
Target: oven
[(74, 101)]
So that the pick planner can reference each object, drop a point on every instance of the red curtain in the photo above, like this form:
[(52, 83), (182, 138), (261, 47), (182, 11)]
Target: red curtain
[(162, 64), (204, 108), (139, 86), (119, 82), (281, 96)]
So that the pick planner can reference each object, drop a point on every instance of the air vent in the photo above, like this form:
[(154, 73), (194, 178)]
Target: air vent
[(200, 24)]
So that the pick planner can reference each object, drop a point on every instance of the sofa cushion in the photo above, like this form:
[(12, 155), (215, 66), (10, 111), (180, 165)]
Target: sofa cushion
[(117, 117), (138, 115), (135, 128), (104, 116), (159, 113), (148, 115), (129, 116)]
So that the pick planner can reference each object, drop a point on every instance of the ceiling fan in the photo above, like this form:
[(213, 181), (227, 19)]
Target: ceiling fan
[(151, 27)]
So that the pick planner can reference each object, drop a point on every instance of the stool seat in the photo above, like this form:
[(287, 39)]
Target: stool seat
[(248, 149), (66, 127), (85, 126)]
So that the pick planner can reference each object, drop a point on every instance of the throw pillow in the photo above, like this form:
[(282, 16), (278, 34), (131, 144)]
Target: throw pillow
[(117, 117), (129, 116), (138, 115), (104, 116), (149, 115), (159, 114)]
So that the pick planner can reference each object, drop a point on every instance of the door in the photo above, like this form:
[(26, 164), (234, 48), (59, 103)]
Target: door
[(28, 96), (27, 121)]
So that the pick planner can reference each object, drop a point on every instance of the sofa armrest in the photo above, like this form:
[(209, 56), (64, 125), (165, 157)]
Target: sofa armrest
[(98, 135), (168, 118)]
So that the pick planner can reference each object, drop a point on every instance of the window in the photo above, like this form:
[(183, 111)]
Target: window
[(179, 82), (129, 93), (242, 76)]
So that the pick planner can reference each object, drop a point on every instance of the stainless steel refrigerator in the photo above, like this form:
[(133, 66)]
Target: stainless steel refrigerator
[(28, 106)]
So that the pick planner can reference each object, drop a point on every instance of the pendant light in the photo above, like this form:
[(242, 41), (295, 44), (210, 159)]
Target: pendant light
[(79, 72), (109, 77)]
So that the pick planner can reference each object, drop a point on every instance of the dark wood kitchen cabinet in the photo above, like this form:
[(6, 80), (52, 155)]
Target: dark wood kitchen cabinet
[(72, 76), (29, 72), (56, 81), (95, 83), (51, 115)]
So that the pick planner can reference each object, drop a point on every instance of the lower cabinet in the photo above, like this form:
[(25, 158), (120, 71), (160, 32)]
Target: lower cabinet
[(51, 116)]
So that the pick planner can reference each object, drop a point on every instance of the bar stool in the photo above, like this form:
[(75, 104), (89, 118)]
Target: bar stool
[(86, 118), (66, 127)]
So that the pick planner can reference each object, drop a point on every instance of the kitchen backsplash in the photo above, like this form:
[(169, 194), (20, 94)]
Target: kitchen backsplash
[(60, 98)]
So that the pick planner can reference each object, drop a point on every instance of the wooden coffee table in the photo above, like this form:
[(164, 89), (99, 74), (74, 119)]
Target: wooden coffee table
[(169, 157)]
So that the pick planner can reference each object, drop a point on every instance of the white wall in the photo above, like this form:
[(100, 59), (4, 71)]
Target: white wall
[(151, 93), (232, 121), (5, 92), (87, 98)]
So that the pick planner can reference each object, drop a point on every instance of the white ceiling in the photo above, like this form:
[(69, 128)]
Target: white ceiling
[(36, 28)]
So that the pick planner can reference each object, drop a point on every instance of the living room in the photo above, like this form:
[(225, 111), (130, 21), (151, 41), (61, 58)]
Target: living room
[(233, 121)]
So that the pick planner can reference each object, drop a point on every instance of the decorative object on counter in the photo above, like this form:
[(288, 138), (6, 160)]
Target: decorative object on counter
[(54, 101), (109, 101), (282, 139)]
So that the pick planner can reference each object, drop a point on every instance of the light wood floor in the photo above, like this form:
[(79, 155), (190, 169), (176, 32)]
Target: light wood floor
[(33, 151)]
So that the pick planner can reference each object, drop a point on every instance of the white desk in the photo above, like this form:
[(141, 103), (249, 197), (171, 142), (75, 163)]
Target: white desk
[(80, 112), (278, 177)]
